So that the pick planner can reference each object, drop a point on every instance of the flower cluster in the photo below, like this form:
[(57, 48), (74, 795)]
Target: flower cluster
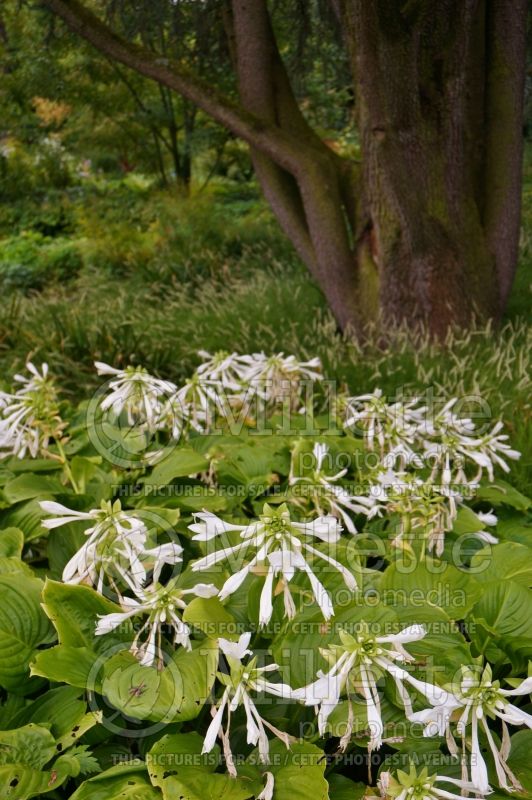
[(469, 704), (356, 665), (225, 384), (428, 463), (29, 416), (239, 683), (412, 785), (277, 546), (116, 551)]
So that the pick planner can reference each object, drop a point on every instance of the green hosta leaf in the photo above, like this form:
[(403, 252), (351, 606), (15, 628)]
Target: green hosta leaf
[(467, 522), (64, 664), (60, 708), (502, 616), (433, 582), (341, 788), (179, 464), (25, 756), (299, 772), (441, 649), (507, 560), (33, 465), (83, 469), (26, 516), (515, 528), (32, 745), (29, 485), (519, 759), (8, 565), (123, 782), (176, 766), (499, 492), (23, 627), (143, 693), (11, 542), (74, 611), (208, 615)]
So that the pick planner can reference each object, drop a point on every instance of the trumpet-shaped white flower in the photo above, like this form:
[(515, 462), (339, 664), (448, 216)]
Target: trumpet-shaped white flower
[(194, 405), (115, 548), (137, 393), (384, 425), (356, 666), (421, 786), (279, 377), (163, 605), (29, 418), (242, 680), (473, 702), (451, 444), (223, 370), (425, 509), (328, 496), (278, 543)]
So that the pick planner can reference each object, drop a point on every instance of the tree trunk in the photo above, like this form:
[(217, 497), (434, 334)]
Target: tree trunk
[(426, 231), (425, 133)]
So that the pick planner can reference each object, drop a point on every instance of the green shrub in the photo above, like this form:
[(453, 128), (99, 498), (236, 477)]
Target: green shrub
[(30, 261)]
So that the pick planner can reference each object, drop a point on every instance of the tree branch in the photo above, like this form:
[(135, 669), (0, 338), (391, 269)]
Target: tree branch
[(280, 146)]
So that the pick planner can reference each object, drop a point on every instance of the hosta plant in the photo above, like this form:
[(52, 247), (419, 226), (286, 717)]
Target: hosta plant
[(260, 585)]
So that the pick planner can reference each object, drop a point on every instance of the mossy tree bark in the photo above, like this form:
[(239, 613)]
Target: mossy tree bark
[(425, 230)]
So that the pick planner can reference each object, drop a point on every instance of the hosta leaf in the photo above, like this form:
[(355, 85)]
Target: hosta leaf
[(32, 745), (139, 692), (65, 664), (341, 788), (27, 516), (11, 542), (74, 611), (123, 782), (23, 627), (502, 615), (179, 464), (507, 560), (208, 615), (433, 582), (519, 759), (28, 485), (500, 492), (299, 772), (60, 708), (176, 766)]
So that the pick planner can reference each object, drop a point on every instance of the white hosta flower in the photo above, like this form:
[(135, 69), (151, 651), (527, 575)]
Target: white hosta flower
[(162, 605), (194, 405), (421, 786), (385, 425), (488, 519), (279, 377), (223, 370), (452, 444), (280, 545), (327, 496), (356, 666), (242, 680), (473, 702), (426, 510), (115, 548), (135, 392), (29, 417)]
